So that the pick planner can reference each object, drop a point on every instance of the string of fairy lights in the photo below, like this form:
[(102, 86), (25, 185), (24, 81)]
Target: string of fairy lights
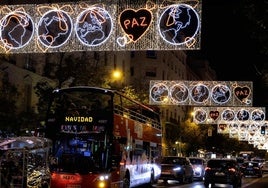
[(94, 26)]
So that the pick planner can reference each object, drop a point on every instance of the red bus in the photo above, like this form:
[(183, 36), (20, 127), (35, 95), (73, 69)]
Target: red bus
[(102, 138)]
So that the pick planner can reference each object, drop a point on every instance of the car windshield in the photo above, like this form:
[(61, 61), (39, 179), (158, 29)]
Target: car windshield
[(251, 164), (172, 160), (196, 161)]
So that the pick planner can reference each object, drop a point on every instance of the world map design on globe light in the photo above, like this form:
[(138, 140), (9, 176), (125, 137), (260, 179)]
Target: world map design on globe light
[(54, 28), (179, 24), (17, 29), (93, 26), (200, 115), (257, 115), (159, 92), (242, 115), (228, 115), (220, 94), (179, 93), (200, 93)]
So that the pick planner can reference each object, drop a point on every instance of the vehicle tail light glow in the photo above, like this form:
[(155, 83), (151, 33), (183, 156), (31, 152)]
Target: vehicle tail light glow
[(231, 169)]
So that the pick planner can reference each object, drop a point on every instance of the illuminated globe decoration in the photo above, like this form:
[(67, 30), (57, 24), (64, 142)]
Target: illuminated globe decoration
[(179, 24), (243, 115), (228, 115), (54, 28), (258, 115), (200, 115), (233, 130), (93, 26), (179, 93), (159, 93), (253, 128), (220, 94), (200, 93), (17, 30)]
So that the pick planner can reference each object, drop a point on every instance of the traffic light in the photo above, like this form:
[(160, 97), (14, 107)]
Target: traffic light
[(263, 130)]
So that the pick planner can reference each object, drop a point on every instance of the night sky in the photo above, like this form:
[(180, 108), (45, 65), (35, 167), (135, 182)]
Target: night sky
[(226, 40)]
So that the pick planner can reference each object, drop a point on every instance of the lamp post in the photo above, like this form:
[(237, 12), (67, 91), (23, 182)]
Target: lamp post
[(178, 147)]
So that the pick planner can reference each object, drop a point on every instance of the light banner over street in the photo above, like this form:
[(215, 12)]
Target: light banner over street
[(227, 115), (95, 26), (200, 93)]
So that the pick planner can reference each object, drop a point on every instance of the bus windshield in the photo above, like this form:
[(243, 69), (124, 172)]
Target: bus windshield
[(78, 122)]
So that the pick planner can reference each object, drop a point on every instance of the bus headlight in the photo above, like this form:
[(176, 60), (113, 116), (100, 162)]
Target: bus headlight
[(103, 181), (104, 177)]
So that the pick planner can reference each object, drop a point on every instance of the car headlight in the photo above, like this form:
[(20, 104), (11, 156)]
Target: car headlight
[(177, 169), (198, 169)]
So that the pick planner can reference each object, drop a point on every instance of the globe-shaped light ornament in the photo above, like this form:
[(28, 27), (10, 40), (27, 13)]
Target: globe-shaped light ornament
[(159, 93), (179, 24), (16, 30), (54, 28), (179, 93), (200, 115), (199, 93), (220, 94), (243, 115), (228, 115), (93, 26), (258, 115)]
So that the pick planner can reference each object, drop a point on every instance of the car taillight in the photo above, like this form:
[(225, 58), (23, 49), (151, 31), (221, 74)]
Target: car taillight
[(231, 169), (207, 168)]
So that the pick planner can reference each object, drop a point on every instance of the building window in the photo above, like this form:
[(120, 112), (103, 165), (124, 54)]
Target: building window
[(131, 71), (151, 54), (150, 72)]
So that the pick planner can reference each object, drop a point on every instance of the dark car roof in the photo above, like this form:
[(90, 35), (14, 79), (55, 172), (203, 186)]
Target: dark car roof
[(221, 162)]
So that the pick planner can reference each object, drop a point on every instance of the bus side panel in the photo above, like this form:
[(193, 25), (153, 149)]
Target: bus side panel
[(137, 129)]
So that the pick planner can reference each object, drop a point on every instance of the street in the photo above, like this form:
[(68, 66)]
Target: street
[(247, 182)]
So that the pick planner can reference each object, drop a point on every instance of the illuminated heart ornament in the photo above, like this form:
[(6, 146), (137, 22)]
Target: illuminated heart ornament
[(222, 126), (214, 114), (135, 23), (242, 93)]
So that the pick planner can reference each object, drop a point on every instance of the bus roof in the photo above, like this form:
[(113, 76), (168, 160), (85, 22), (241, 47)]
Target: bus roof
[(103, 90)]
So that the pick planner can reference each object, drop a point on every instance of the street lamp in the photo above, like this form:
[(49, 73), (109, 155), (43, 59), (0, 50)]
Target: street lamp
[(116, 78), (116, 75)]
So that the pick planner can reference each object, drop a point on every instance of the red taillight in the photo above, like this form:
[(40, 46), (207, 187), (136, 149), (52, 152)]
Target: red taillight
[(207, 168), (231, 169)]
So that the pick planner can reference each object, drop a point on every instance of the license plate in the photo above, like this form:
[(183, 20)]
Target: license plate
[(219, 174), (165, 172)]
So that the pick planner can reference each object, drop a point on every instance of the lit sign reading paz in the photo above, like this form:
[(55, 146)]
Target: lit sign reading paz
[(64, 27)]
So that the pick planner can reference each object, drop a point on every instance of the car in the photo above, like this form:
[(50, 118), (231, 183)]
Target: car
[(265, 167), (259, 160), (222, 171), (251, 168), (199, 165), (176, 168)]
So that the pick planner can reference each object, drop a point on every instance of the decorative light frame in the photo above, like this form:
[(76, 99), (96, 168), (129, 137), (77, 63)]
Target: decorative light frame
[(103, 26)]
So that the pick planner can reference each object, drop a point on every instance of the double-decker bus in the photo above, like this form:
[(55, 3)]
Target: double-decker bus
[(102, 138)]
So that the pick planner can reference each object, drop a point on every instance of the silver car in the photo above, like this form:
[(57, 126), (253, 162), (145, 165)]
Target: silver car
[(199, 165), (176, 168)]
